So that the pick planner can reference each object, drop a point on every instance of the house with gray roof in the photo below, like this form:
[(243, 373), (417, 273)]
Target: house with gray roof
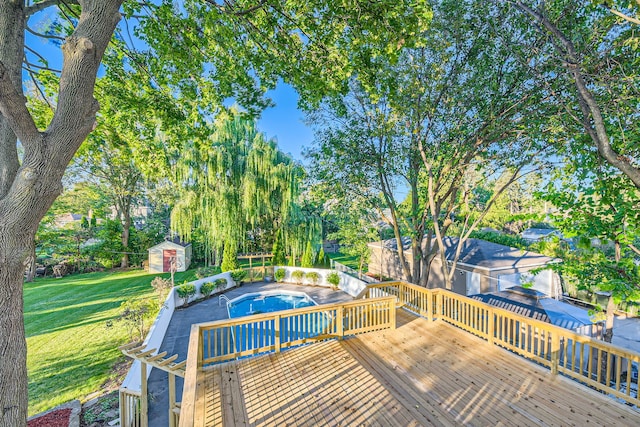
[(482, 267), (536, 305)]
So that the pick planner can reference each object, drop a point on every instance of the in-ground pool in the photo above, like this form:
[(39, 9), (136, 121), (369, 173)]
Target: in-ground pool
[(267, 302), (252, 336)]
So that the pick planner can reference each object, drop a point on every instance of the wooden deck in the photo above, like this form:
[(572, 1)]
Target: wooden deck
[(419, 374)]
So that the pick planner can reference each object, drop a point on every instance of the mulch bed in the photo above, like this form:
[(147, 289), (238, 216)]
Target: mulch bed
[(59, 418)]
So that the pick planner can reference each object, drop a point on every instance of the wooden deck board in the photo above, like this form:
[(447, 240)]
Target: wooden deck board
[(419, 374)]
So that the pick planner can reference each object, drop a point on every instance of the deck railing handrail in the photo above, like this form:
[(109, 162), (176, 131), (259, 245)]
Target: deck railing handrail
[(601, 365), (225, 340), (307, 323)]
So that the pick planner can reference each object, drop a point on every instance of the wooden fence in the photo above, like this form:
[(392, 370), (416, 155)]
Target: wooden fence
[(258, 274), (605, 367)]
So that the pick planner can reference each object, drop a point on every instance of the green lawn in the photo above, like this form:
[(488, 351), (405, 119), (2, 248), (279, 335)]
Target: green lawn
[(348, 260), (70, 348)]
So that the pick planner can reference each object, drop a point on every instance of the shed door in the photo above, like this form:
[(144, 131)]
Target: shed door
[(167, 255)]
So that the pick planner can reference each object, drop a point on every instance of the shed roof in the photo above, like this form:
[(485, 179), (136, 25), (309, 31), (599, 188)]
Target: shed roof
[(170, 244), (481, 253)]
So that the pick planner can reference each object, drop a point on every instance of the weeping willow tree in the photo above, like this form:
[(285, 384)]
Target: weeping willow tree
[(237, 188)]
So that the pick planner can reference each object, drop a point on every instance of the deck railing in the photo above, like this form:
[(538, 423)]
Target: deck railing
[(250, 335), (605, 367), (130, 408), (226, 340)]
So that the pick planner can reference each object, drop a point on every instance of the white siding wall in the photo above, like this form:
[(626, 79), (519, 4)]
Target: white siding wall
[(155, 260), (542, 282), (348, 284), (180, 255)]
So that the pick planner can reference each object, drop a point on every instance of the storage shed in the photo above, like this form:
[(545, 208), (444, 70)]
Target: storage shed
[(163, 254)]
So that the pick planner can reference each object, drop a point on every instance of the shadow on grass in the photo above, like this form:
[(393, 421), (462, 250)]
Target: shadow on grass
[(83, 299), (66, 378), (72, 317)]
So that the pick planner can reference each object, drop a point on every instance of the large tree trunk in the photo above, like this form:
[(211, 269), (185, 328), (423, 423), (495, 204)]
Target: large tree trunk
[(31, 272), (12, 22), (126, 225), (28, 190), (124, 215), (13, 356), (13, 241)]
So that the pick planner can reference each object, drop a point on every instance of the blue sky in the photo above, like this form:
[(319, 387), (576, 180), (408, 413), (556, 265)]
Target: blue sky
[(283, 122)]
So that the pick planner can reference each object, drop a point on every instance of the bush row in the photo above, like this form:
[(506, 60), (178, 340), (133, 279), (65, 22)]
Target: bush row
[(312, 277)]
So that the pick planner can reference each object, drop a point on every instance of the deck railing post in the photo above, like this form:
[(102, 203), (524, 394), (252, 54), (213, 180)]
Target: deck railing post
[(276, 328), (429, 305), (555, 352), (172, 400), (144, 407), (124, 421), (392, 312), (340, 320), (491, 325), (201, 333)]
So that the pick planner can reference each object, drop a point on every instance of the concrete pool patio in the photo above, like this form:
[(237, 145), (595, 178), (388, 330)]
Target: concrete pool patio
[(176, 339)]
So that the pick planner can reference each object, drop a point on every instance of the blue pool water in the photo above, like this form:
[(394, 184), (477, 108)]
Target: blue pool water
[(255, 336), (267, 303)]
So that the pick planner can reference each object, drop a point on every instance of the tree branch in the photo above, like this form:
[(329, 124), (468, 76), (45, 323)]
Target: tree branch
[(29, 66), (37, 85), (625, 17), (231, 10), (37, 7), (82, 54), (44, 36), (594, 123), (14, 109)]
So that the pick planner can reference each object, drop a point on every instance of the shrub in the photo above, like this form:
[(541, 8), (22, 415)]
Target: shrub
[(229, 257), (307, 256), (298, 276), (206, 288), (379, 277), (321, 261), (133, 313), (186, 291), (220, 283), (334, 279), (279, 274), (238, 275), (279, 257), (161, 288), (314, 277)]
